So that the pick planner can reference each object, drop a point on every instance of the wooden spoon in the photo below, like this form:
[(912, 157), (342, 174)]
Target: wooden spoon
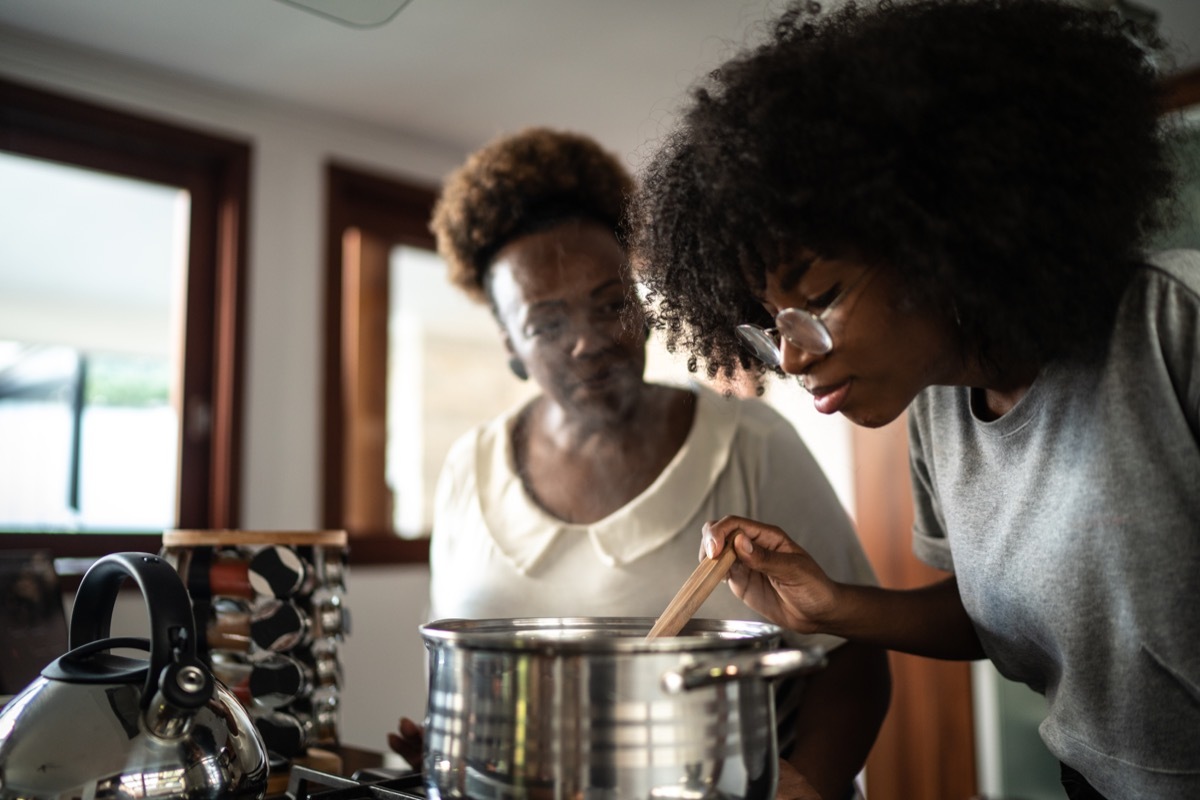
[(694, 592)]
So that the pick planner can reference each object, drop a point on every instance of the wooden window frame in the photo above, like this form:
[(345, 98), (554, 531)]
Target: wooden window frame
[(367, 215), (215, 171), (1182, 90)]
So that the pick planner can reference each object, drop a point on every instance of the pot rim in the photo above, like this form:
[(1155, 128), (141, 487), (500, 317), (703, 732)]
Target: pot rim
[(594, 634)]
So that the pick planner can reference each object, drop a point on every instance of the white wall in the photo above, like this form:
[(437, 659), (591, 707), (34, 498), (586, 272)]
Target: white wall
[(383, 656)]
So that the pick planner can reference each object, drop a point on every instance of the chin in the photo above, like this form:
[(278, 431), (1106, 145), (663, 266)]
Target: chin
[(870, 417), (613, 403)]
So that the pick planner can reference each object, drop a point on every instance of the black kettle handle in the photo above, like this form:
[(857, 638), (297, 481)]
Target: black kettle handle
[(172, 630)]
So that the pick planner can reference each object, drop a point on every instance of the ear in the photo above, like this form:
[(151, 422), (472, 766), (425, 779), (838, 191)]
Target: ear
[(499, 320)]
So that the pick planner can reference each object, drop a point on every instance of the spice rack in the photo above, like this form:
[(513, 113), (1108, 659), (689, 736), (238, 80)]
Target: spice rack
[(270, 609)]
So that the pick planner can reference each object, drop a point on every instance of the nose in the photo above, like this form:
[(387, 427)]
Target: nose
[(795, 360), (590, 336)]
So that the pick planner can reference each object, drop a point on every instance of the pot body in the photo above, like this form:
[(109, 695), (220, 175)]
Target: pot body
[(577, 708)]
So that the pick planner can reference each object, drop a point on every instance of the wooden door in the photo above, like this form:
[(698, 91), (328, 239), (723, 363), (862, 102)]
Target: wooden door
[(926, 748)]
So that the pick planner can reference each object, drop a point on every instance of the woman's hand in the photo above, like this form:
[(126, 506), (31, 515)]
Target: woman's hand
[(409, 742), (773, 575), (778, 579)]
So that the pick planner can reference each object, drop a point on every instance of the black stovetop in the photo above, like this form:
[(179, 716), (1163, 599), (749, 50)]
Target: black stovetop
[(367, 784)]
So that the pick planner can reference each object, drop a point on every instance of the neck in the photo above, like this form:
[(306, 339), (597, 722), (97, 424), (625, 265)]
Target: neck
[(995, 396), (569, 428), (582, 472)]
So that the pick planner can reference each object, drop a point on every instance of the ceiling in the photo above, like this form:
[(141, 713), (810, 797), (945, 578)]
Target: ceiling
[(455, 72)]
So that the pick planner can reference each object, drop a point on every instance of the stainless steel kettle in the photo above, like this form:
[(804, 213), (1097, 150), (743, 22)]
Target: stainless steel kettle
[(100, 725)]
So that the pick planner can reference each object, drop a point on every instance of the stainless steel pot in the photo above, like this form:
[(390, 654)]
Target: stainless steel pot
[(587, 708)]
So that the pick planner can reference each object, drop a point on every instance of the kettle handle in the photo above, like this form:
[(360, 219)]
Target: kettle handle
[(172, 629)]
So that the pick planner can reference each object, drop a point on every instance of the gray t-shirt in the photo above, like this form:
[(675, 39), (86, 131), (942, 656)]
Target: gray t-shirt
[(1072, 524)]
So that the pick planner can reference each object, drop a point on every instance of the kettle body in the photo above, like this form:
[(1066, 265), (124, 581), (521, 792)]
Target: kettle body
[(100, 725)]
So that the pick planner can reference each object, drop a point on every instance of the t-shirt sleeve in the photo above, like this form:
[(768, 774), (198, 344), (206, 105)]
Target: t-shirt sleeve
[(1174, 312), (929, 532)]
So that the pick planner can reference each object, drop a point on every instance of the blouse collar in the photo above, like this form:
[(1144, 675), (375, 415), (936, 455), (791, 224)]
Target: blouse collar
[(523, 531)]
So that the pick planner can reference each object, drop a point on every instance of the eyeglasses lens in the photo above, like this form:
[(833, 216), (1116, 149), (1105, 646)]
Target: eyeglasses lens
[(805, 331), (761, 343)]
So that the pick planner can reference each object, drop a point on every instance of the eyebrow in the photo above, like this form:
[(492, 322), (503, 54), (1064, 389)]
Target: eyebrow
[(546, 305), (794, 269), (791, 275), (599, 290), (604, 287)]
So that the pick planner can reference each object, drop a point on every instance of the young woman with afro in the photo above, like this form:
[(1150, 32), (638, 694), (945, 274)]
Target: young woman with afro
[(940, 208)]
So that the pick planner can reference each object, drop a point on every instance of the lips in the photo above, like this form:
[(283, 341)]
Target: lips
[(830, 399), (603, 380), (596, 378)]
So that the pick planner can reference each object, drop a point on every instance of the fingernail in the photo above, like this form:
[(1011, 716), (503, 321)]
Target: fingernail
[(708, 547), (745, 545)]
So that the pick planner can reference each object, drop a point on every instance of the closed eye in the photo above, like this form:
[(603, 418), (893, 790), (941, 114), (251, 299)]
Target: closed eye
[(612, 308), (824, 299), (545, 328)]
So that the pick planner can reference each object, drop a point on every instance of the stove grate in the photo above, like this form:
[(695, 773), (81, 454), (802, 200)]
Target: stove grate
[(305, 783)]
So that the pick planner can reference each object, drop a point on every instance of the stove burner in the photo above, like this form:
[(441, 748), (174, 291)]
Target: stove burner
[(382, 784)]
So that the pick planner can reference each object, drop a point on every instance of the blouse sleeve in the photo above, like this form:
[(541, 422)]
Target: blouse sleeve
[(794, 494), (453, 497)]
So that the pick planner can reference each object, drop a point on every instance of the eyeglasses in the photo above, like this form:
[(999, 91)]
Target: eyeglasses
[(559, 323), (801, 328)]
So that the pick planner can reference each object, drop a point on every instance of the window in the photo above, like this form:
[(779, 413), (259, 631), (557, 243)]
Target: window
[(446, 374), (173, 401), (368, 217), (88, 407), (1183, 98)]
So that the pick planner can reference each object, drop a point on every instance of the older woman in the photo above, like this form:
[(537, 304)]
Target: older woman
[(590, 499), (940, 207)]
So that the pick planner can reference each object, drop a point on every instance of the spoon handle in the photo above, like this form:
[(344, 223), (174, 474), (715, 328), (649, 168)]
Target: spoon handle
[(694, 592)]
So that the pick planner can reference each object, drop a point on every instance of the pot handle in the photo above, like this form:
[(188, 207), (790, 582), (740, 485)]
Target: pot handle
[(172, 629), (752, 666)]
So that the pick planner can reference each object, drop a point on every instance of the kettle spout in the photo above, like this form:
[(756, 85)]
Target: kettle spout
[(182, 689)]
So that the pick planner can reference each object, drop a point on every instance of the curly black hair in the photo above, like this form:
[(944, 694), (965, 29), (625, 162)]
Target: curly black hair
[(518, 184), (1003, 156)]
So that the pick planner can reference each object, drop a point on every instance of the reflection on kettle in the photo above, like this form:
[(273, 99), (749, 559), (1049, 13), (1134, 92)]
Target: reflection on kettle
[(97, 724)]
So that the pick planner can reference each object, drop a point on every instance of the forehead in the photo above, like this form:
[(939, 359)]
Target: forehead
[(570, 259), (808, 270)]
